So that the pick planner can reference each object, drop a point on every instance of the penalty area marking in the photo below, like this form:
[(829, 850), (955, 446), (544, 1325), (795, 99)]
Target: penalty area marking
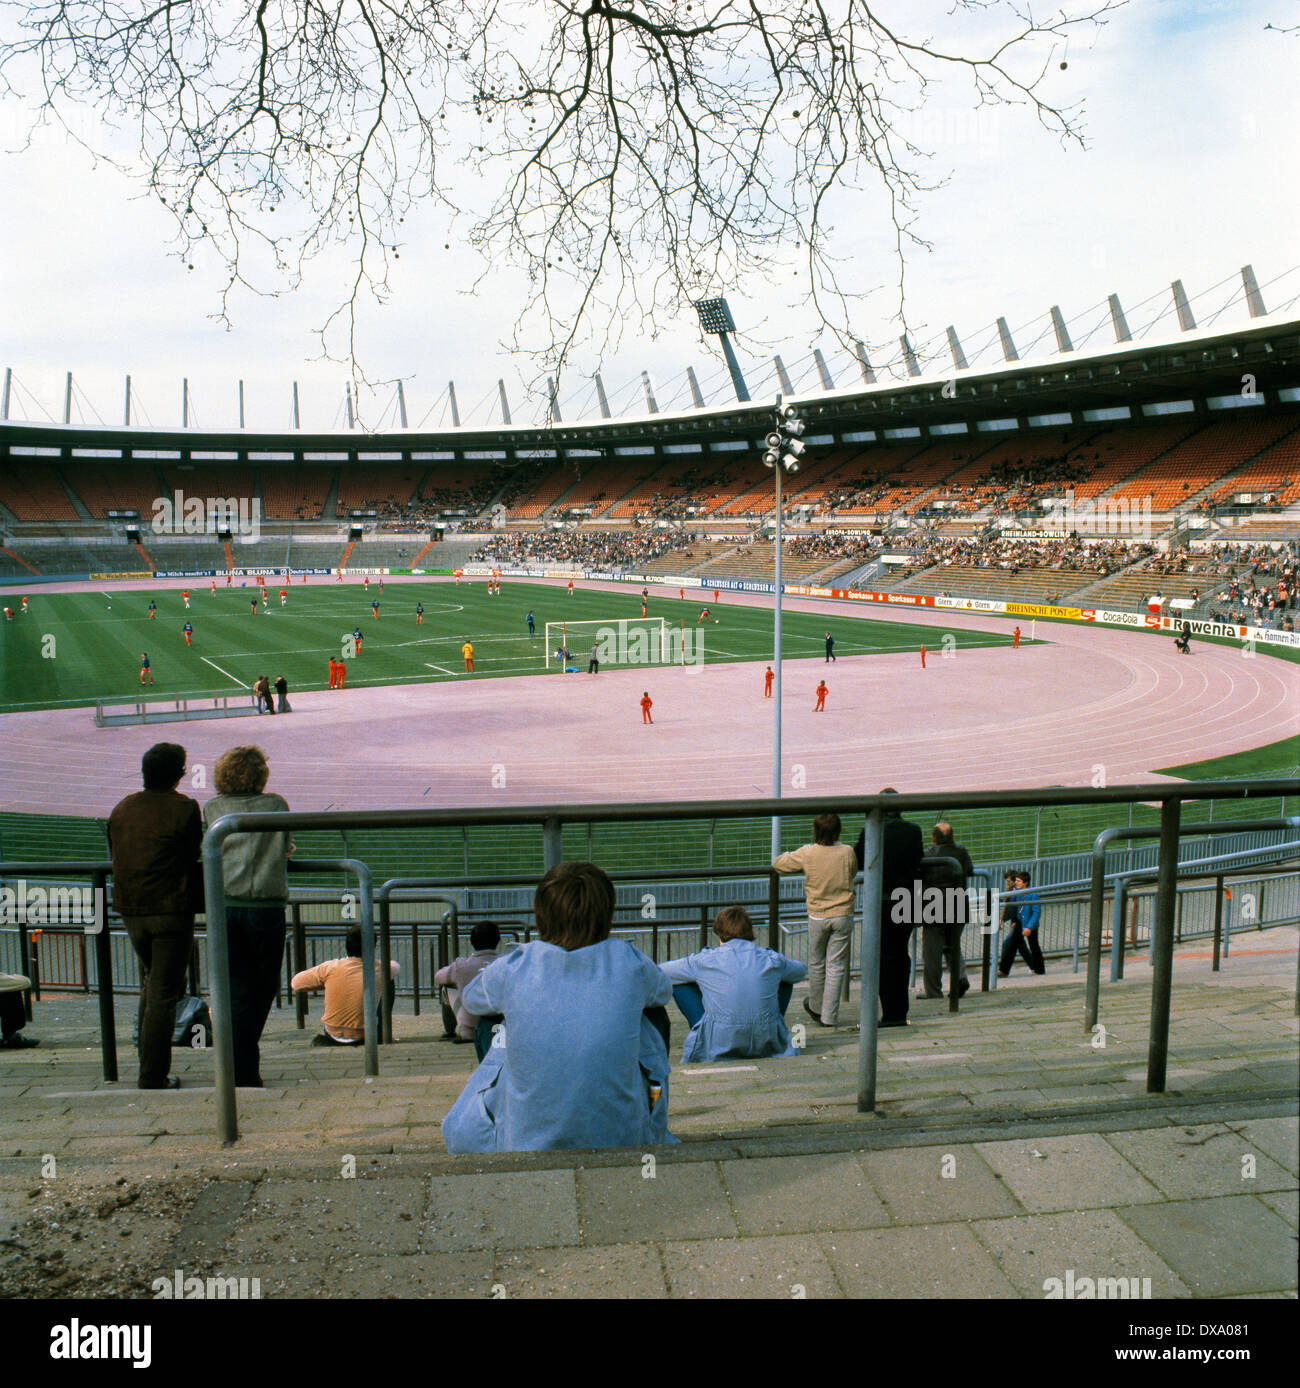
[(443, 668), (218, 668)]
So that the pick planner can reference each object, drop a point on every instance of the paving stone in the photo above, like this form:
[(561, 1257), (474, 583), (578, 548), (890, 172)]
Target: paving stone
[(1223, 1246), (683, 1200), (932, 1261), (916, 1191), (292, 1218), (1284, 1202), (501, 1210), (1066, 1173), (609, 1270), (1090, 1243), (210, 1221), (787, 1195), (1279, 1137), (1206, 1159), (792, 1267)]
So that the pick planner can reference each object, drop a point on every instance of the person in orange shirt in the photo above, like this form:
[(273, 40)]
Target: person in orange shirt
[(822, 692), (214, 587), (1015, 639), (570, 587), (467, 650), (342, 674), (646, 706), (284, 597), (334, 673), (922, 657), (681, 593), (767, 683), (185, 594)]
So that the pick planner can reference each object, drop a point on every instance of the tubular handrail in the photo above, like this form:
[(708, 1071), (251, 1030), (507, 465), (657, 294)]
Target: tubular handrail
[(552, 818), (1100, 844)]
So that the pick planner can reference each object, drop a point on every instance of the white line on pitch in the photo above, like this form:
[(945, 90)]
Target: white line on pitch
[(443, 668), (218, 668)]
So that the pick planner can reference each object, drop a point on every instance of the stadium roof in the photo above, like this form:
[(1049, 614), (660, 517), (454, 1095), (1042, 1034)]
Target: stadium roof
[(1255, 365)]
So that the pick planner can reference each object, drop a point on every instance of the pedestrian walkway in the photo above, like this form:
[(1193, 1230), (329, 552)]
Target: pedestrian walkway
[(1011, 1151)]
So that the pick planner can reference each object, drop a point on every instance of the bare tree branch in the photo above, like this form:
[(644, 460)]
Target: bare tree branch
[(628, 156)]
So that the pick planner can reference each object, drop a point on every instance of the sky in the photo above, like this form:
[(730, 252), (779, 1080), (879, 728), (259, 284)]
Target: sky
[(1190, 112)]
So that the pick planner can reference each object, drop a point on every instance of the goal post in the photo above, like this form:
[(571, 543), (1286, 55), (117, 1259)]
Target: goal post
[(618, 642)]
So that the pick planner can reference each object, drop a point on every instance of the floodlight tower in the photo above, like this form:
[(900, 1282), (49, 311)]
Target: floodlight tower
[(715, 318), (784, 449)]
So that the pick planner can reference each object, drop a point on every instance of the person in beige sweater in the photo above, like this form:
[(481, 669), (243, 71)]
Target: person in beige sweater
[(828, 867)]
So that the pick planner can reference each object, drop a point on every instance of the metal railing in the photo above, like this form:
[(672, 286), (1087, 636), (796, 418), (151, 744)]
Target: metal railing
[(553, 818)]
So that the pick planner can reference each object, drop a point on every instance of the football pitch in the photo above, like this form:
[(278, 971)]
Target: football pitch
[(73, 649)]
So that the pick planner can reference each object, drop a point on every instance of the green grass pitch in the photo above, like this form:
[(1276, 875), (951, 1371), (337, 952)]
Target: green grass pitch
[(72, 649)]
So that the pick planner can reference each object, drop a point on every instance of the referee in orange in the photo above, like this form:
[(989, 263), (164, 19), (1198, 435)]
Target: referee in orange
[(646, 706)]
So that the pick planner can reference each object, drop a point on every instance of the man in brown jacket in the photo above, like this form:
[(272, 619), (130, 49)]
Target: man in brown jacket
[(154, 837)]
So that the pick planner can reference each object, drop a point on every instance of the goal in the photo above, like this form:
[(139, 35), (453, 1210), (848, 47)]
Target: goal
[(618, 642)]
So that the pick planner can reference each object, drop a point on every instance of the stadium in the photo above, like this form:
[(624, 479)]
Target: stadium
[(1061, 585)]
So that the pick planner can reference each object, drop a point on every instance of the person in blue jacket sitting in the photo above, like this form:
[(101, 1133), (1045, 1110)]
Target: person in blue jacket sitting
[(734, 995), (581, 1059)]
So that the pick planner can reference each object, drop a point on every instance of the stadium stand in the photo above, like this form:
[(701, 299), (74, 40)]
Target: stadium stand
[(1185, 470), (388, 489), (182, 556), (1276, 472), (296, 493), (229, 480), (116, 487), (36, 494)]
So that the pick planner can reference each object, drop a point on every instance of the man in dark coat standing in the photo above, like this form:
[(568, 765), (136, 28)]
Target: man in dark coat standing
[(154, 837), (903, 848)]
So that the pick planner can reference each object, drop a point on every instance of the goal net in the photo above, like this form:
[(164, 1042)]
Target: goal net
[(622, 642)]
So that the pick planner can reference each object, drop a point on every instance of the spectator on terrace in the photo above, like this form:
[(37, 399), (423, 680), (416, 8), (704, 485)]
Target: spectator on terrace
[(582, 1060), (828, 867), (256, 878), (734, 996), (343, 1020), (13, 1013), (154, 838), (458, 1024)]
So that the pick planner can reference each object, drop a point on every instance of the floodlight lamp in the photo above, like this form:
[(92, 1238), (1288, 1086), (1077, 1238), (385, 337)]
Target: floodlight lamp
[(793, 427), (715, 316), (774, 440), (791, 462), (789, 411), (770, 458), (796, 448)]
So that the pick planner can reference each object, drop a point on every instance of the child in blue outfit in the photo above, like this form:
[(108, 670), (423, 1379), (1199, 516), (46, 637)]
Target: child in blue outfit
[(734, 996), (578, 1062)]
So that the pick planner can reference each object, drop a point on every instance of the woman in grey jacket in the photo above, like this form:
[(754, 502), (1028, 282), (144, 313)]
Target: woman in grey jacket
[(255, 871)]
